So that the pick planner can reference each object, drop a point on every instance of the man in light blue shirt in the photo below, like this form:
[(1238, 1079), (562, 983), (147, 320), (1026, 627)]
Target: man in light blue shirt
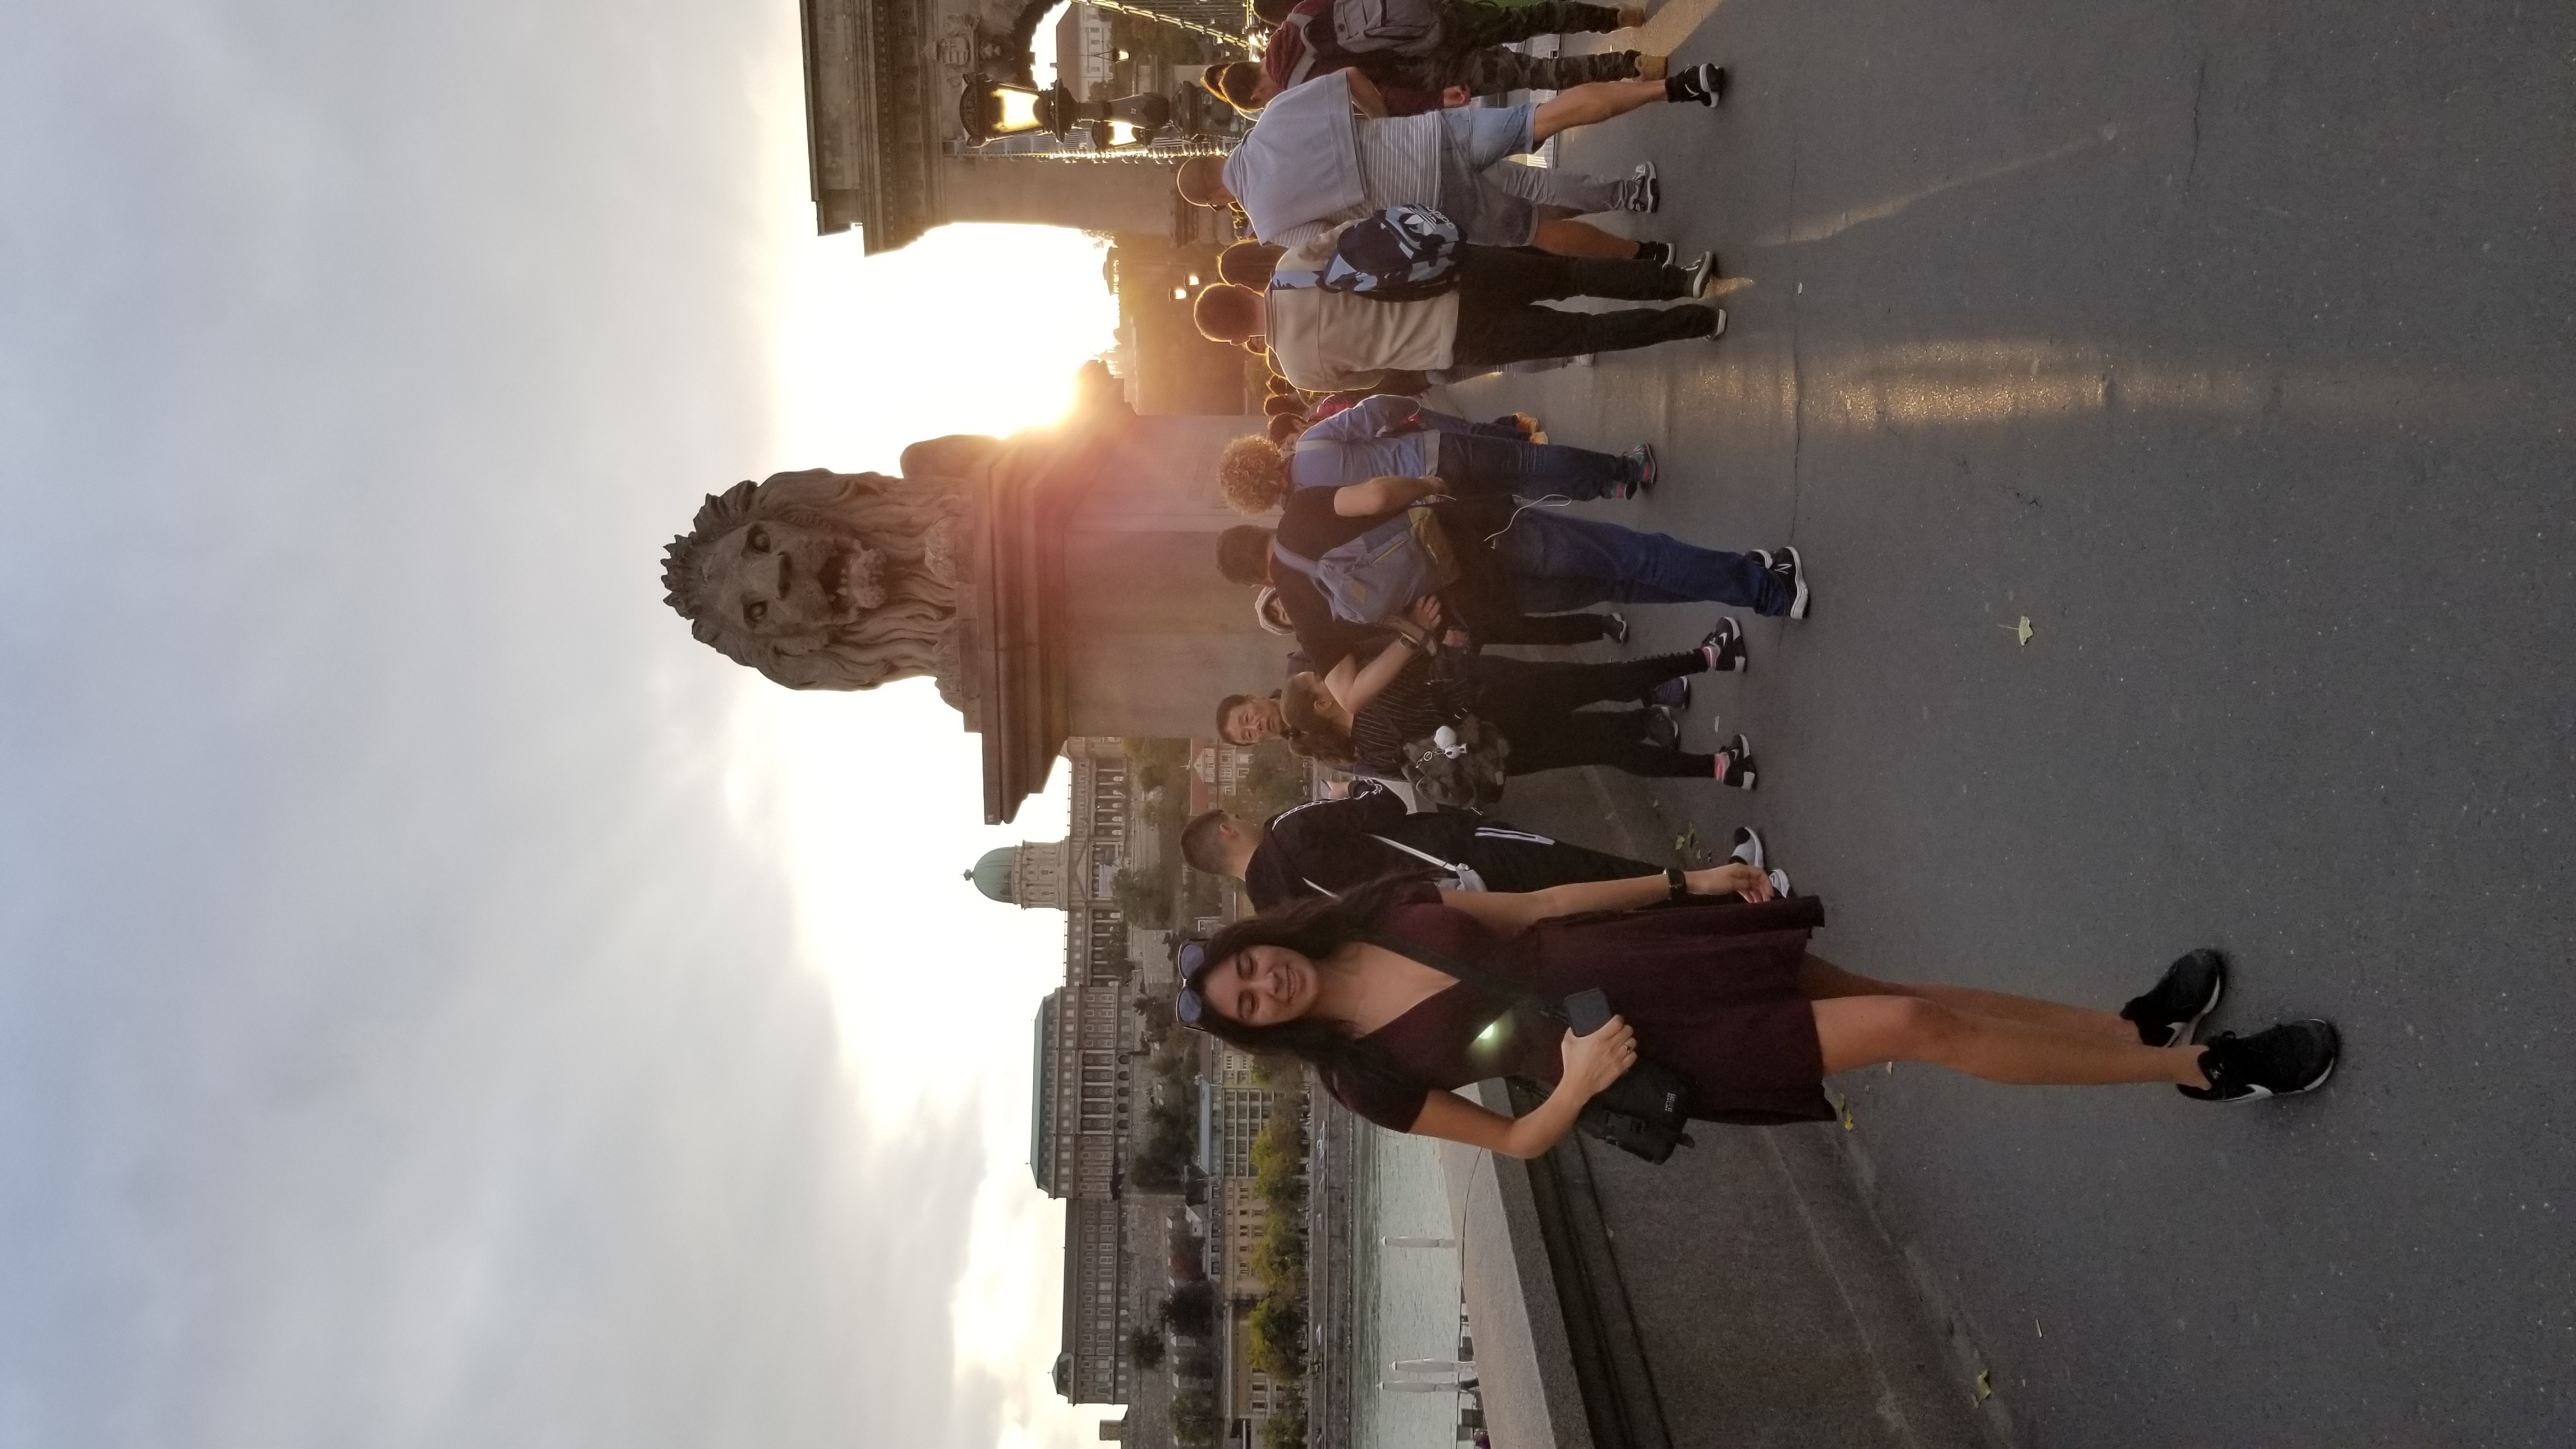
[(1325, 152)]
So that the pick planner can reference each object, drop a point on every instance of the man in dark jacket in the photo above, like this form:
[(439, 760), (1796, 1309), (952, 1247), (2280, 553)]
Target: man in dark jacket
[(1328, 846)]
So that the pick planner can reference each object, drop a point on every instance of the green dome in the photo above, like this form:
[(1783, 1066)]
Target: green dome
[(992, 874)]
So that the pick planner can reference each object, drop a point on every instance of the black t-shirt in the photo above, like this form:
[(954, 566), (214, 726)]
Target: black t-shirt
[(1309, 526), (1326, 847)]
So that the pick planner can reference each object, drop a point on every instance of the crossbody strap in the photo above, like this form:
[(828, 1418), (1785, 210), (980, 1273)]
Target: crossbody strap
[(1467, 876)]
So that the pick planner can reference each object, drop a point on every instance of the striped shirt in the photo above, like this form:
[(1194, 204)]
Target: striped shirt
[(1399, 163), (1410, 708)]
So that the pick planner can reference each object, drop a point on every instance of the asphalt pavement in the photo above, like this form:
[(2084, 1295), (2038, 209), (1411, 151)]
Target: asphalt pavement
[(2230, 347)]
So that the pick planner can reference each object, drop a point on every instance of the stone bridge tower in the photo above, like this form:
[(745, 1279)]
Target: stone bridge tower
[(891, 156)]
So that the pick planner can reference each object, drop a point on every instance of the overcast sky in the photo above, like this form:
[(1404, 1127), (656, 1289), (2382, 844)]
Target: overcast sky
[(441, 1003)]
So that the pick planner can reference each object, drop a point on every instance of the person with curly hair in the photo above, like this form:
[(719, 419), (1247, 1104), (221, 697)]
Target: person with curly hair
[(1395, 438)]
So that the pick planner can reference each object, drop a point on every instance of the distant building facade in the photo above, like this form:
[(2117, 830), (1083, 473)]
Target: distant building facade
[(1074, 875), (1088, 1045)]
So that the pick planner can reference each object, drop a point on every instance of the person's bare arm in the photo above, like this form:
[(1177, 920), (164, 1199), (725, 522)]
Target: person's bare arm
[(1382, 495), (1365, 95), (1516, 910), (1355, 689), (1591, 1064)]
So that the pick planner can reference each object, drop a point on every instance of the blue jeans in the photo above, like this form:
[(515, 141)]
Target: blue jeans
[(1475, 466), (1555, 562)]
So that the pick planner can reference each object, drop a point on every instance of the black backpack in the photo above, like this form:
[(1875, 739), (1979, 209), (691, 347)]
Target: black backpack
[(1360, 27)]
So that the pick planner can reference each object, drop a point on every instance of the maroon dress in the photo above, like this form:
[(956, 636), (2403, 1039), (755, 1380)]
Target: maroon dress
[(1711, 991)]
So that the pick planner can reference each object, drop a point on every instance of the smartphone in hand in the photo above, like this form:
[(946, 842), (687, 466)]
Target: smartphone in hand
[(1587, 1011)]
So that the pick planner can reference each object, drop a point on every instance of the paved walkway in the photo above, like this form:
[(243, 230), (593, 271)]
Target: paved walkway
[(2230, 345)]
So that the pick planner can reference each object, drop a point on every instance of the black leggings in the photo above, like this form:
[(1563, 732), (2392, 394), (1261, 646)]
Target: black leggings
[(1485, 608), (1499, 319), (1539, 707)]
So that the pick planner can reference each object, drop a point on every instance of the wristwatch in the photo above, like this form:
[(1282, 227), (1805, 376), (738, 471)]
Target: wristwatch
[(1677, 885)]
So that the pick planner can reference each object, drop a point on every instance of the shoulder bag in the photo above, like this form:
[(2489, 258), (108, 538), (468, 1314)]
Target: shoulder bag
[(1644, 1114)]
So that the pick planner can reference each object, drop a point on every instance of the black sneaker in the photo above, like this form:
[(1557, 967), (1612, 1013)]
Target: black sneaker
[(1748, 846), (1614, 627), (1699, 273), (1786, 566), (2173, 1008), (1723, 649), (2294, 1057), (1735, 763), (1705, 84), (1646, 193), (1643, 456), (1671, 694), (1717, 325), (1663, 731), (1660, 253)]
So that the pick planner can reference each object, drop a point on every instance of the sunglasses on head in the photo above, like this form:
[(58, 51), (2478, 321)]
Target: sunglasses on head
[(1188, 1005)]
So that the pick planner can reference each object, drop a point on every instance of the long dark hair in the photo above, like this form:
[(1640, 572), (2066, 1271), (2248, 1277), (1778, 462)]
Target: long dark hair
[(1314, 928), (1308, 733)]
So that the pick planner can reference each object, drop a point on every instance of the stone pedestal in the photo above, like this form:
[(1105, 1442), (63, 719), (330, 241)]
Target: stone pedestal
[(1093, 604)]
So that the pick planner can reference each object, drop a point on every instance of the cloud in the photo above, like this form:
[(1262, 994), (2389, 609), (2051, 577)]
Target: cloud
[(409, 1032)]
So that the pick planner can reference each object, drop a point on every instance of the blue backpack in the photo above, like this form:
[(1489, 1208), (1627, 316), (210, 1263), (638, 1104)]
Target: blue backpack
[(1368, 578), (1401, 254)]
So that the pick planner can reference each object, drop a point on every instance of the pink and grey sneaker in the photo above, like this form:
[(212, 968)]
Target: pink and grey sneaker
[(1735, 763), (1723, 649)]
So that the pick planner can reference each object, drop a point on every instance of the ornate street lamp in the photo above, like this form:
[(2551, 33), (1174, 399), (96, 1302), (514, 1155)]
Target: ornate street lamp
[(989, 108)]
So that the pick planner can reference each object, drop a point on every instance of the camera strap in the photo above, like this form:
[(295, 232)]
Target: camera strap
[(1457, 870)]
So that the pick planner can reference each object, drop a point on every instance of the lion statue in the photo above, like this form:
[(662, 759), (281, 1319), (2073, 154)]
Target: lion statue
[(826, 580)]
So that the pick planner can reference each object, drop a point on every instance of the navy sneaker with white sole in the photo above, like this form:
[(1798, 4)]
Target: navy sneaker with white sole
[(1614, 627), (2173, 1008), (1701, 271), (2282, 1061), (1786, 566), (1671, 694)]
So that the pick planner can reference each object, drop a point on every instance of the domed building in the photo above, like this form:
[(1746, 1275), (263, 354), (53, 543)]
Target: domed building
[(1074, 875), (1088, 1042), (1024, 875)]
